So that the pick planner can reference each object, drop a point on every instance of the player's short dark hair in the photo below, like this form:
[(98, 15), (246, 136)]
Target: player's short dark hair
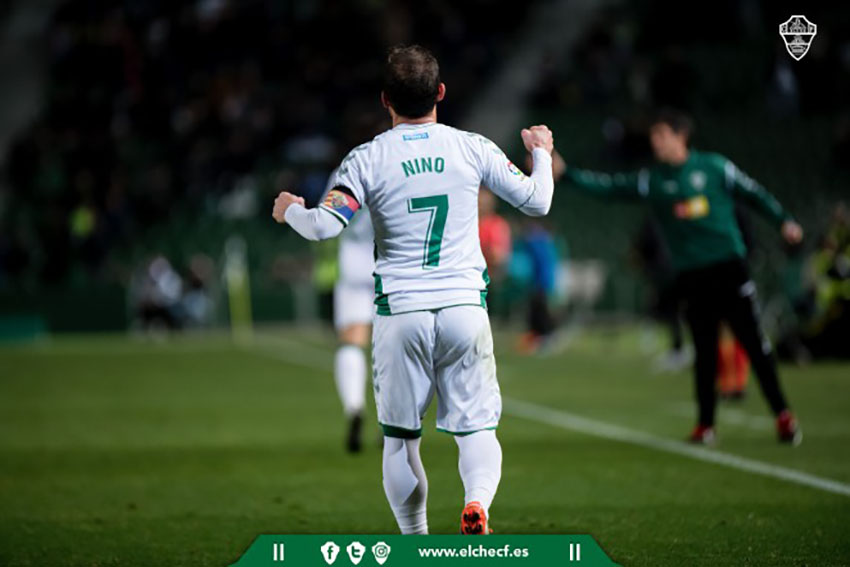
[(411, 80), (677, 120)]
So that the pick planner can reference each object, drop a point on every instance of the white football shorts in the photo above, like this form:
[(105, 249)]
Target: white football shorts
[(353, 304), (447, 352)]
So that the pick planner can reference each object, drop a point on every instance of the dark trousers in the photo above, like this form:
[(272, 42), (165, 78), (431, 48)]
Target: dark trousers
[(540, 319), (725, 292)]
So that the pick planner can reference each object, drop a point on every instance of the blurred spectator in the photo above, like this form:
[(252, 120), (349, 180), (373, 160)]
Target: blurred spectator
[(154, 104), (733, 366), (196, 305), (495, 235), (156, 296), (539, 245), (823, 308)]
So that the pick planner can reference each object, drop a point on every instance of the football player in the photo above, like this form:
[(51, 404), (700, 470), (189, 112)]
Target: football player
[(431, 333), (692, 195)]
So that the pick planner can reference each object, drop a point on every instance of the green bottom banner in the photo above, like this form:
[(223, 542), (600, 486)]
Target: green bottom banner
[(448, 550)]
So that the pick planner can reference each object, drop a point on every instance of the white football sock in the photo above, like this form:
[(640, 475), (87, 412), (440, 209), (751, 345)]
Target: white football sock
[(480, 466), (350, 376), (405, 484)]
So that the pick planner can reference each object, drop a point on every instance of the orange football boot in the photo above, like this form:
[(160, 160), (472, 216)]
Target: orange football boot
[(473, 520)]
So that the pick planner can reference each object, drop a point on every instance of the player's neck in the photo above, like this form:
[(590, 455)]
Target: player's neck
[(427, 119), (679, 158)]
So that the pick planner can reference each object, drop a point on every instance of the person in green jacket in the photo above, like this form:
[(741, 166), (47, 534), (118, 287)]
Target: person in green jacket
[(692, 194)]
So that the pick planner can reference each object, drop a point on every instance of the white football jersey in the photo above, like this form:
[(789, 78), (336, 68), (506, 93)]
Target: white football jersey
[(357, 251), (356, 247), (420, 183)]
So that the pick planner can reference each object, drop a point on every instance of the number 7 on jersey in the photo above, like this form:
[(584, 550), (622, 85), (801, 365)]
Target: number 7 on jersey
[(438, 207)]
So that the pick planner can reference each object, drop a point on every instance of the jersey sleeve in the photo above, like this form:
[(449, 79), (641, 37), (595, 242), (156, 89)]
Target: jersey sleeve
[(618, 185), (346, 191), (313, 224), (745, 187), (531, 195)]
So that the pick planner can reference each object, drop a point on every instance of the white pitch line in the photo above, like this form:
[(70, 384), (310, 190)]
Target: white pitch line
[(311, 357), (292, 352), (727, 415), (573, 422)]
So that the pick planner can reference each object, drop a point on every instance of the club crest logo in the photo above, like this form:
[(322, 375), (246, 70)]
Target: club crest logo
[(698, 180), (798, 33)]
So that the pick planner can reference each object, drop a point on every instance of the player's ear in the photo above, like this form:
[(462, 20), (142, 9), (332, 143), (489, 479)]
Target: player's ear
[(441, 92), (385, 102)]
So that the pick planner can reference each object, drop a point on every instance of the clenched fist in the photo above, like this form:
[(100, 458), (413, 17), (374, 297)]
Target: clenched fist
[(282, 203), (792, 232), (538, 137)]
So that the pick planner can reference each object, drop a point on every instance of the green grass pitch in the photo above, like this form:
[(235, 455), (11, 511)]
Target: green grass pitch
[(115, 451)]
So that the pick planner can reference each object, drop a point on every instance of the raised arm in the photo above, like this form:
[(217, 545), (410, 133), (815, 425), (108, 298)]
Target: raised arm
[(617, 185), (312, 224), (343, 199), (531, 195), (745, 187)]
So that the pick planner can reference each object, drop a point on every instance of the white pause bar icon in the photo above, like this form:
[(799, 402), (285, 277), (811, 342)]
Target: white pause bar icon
[(575, 552), (278, 551)]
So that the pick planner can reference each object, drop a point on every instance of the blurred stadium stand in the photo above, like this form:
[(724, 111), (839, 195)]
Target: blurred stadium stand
[(166, 127)]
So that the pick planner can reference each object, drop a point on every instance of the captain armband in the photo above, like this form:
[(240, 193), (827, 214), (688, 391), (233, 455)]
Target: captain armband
[(341, 204)]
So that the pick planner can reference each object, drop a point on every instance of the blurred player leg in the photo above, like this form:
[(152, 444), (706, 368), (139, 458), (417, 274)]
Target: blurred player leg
[(403, 382), (352, 317), (744, 320), (744, 323), (703, 319)]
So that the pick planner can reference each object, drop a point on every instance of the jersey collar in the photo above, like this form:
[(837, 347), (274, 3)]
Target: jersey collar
[(405, 126)]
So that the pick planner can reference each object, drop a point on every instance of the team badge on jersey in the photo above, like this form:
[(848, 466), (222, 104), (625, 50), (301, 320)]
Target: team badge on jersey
[(797, 33), (698, 180), (514, 169), (341, 205)]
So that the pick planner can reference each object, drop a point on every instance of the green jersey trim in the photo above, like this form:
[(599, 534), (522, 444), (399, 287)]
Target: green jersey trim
[(382, 300), (465, 433), (400, 432), (485, 275), (335, 214)]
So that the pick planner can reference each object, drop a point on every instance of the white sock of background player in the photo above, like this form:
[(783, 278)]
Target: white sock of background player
[(480, 466), (350, 376), (405, 484)]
